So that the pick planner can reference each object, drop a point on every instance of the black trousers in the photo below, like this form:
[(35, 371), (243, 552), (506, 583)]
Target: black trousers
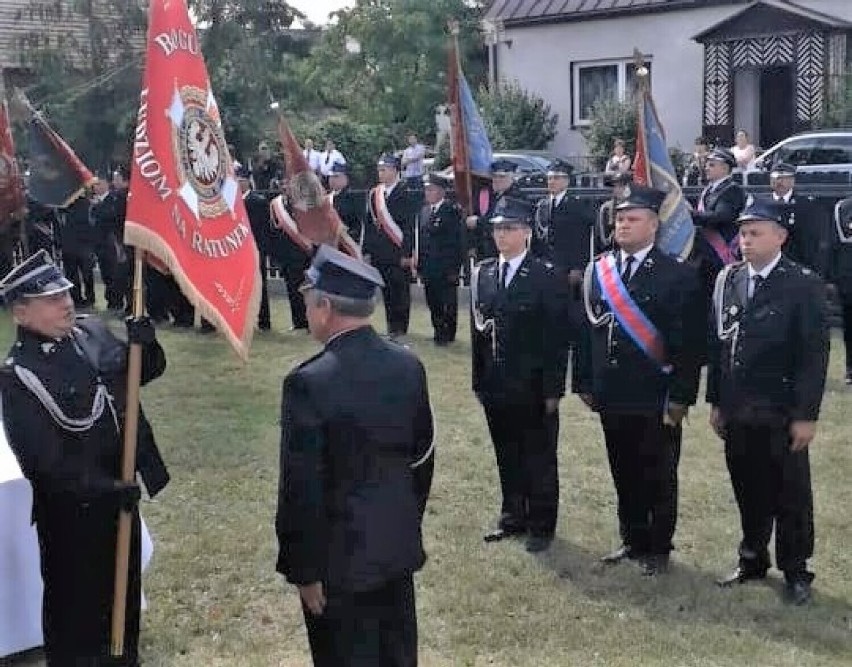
[(442, 296), (643, 459), (294, 276), (772, 486), (107, 258), (79, 265), (397, 296), (77, 546), (264, 320), (847, 330), (525, 442), (158, 291), (376, 628)]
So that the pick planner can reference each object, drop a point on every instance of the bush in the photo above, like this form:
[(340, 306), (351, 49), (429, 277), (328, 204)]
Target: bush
[(516, 119), (610, 120)]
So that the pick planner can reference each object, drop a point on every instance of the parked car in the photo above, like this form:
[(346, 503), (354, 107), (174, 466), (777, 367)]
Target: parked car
[(819, 151), (532, 166)]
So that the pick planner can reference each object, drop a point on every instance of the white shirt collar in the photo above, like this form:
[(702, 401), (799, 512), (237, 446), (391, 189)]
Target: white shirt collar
[(638, 256), (514, 263), (787, 197), (435, 207), (715, 184), (558, 197), (766, 270)]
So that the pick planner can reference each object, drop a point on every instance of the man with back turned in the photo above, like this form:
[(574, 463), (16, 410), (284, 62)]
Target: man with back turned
[(356, 469)]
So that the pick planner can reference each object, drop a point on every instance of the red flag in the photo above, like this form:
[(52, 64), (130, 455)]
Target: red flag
[(11, 190), (313, 213), (459, 146), (185, 206)]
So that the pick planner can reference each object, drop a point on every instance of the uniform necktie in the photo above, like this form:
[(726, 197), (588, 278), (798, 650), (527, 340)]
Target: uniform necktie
[(756, 282), (627, 269), (504, 272)]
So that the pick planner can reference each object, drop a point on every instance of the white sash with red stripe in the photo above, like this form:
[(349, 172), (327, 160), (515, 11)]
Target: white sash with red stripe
[(383, 217), (284, 221)]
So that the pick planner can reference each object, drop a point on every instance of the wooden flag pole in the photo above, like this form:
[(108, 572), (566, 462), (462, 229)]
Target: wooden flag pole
[(128, 465)]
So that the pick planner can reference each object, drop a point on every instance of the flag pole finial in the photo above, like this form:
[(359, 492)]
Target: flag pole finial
[(642, 71)]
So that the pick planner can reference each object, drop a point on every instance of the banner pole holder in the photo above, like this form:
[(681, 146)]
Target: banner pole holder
[(128, 466)]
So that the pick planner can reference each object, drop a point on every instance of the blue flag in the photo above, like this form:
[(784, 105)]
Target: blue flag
[(479, 150), (653, 167)]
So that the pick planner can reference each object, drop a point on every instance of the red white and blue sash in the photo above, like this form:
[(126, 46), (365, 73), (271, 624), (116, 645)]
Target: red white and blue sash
[(384, 219), (631, 318)]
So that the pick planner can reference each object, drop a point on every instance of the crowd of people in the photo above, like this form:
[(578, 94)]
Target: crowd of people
[(555, 292)]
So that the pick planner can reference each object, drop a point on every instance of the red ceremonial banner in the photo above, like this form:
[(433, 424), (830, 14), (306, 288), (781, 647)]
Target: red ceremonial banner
[(313, 212), (184, 205), (11, 187)]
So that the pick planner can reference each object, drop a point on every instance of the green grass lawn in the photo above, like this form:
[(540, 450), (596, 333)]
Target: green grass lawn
[(215, 599)]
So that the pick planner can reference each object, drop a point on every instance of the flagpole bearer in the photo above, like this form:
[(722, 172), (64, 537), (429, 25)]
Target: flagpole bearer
[(128, 464)]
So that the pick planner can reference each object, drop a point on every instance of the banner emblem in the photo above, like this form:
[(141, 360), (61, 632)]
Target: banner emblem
[(201, 154)]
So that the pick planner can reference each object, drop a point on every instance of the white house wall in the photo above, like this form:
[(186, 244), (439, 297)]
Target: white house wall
[(540, 57)]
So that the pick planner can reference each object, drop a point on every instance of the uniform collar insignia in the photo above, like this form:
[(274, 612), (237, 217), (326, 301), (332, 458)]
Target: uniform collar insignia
[(649, 262), (48, 347), (523, 271)]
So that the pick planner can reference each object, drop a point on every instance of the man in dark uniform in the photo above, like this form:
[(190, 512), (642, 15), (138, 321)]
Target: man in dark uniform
[(107, 249), (257, 209), (441, 253), (839, 273), (41, 227), (519, 368), (637, 367), (562, 236), (64, 403), (124, 269), (715, 215), (765, 381), (356, 470), (389, 242), (77, 239), (292, 251), (808, 226), (605, 228), (487, 202), (345, 202)]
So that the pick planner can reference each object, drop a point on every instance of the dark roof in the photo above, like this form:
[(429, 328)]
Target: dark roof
[(771, 15), (530, 12)]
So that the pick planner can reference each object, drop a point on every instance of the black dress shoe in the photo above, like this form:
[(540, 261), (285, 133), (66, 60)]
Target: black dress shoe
[(538, 543), (655, 565), (622, 553), (502, 533), (740, 575), (798, 592)]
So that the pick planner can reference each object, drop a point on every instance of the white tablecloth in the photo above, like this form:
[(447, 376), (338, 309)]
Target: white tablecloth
[(20, 578)]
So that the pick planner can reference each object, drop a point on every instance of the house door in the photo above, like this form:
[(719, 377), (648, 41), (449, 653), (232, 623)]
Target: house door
[(777, 104)]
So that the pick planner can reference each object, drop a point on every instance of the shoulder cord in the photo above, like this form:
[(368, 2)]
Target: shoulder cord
[(101, 400), (595, 321)]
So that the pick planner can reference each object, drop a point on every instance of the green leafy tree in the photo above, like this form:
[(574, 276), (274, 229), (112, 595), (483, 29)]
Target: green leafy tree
[(384, 63), (610, 120), (516, 118), (838, 108), (251, 53)]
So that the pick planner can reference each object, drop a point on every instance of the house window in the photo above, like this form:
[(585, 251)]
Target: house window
[(601, 80)]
